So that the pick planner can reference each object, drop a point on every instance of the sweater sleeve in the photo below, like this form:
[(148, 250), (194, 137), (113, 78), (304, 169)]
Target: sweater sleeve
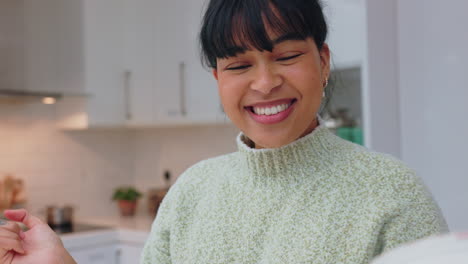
[(418, 216), (157, 247)]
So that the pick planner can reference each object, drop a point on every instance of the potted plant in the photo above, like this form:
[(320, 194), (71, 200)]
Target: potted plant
[(127, 198)]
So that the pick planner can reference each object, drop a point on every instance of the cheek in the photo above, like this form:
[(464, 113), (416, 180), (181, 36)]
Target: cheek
[(305, 79), (230, 94)]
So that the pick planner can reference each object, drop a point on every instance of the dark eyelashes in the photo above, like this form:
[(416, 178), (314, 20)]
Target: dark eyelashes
[(238, 68), (289, 58), (242, 67)]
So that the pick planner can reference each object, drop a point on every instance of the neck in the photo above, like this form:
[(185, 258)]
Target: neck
[(310, 128)]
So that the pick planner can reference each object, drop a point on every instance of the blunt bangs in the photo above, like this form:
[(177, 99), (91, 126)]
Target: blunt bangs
[(231, 27)]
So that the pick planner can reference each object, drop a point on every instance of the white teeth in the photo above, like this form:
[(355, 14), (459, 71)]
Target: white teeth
[(270, 110)]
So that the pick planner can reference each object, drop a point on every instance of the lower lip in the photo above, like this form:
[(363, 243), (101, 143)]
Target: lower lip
[(272, 119)]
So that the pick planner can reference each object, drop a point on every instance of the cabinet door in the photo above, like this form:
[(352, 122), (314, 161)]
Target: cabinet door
[(76, 47), (155, 61), (105, 74), (169, 59), (166, 81), (202, 98), (140, 46), (130, 253), (96, 255)]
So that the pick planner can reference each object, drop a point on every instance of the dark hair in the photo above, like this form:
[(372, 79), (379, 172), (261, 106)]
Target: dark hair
[(233, 26)]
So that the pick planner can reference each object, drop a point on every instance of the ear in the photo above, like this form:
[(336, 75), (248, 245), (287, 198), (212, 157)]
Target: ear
[(215, 73), (325, 60)]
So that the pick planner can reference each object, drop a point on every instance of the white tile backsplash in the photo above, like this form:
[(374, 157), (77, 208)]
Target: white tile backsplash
[(176, 149), (58, 167), (83, 167)]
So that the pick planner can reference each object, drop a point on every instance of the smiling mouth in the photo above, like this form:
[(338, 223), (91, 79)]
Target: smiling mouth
[(270, 110)]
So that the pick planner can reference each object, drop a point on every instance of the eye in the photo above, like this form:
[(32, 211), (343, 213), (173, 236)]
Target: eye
[(240, 67), (289, 57)]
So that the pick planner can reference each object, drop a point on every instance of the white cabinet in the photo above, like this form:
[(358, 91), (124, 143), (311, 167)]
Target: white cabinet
[(118, 253), (119, 246), (131, 245), (129, 253), (203, 102), (115, 65), (169, 84), (97, 255), (73, 47), (138, 60), (154, 57), (91, 58), (140, 65), (347, 26), (104, 66), (169, 54)]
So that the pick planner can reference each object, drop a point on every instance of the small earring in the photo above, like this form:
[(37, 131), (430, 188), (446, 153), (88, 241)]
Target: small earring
[(326, 83)]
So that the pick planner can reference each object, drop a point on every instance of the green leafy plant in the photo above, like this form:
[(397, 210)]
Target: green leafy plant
[(126, 194)]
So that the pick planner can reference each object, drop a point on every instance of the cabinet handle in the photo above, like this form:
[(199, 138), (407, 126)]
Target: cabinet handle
[(183, 107), (221, 108), (118, 255), (128, 108)]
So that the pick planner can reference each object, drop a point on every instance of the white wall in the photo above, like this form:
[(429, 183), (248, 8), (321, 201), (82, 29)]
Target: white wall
[(433, 96), (176, 149), (380, 82), (425, 42)]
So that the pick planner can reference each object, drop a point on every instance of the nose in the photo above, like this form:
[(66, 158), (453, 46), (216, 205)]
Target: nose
[(265, 79)]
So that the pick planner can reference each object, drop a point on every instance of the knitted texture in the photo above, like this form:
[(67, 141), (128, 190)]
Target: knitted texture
[(317, 200)]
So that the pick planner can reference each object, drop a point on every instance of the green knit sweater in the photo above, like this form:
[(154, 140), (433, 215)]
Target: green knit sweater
[(317, 200)]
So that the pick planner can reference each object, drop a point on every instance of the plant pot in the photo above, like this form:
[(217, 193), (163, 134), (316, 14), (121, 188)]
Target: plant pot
[(127, 208), (155, 197)]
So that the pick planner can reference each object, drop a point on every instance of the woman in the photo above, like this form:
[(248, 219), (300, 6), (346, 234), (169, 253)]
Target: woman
[(294, 192)]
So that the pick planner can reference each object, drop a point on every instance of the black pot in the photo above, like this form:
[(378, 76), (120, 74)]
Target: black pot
[(59, 216)]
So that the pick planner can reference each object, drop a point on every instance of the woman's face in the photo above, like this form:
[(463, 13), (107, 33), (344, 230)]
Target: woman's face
[(273, 97)]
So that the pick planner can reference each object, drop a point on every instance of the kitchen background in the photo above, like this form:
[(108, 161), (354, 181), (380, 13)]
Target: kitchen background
[(83, 168), (122, 119), (136, 102)]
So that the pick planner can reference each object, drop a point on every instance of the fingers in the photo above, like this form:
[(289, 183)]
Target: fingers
[(10, 238), (21, 215), (8, 243), (11, 226)]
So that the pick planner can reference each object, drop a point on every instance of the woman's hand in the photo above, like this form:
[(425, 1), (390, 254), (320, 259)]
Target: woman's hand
[(38, 245)]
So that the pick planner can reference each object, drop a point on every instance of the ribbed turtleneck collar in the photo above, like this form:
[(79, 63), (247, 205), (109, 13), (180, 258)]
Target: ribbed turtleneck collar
[(289, 164)]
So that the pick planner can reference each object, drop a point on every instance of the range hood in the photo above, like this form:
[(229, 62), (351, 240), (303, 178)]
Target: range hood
[(8, 96)]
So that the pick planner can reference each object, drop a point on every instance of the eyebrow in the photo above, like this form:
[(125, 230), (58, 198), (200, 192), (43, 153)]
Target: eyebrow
[(286, 37)]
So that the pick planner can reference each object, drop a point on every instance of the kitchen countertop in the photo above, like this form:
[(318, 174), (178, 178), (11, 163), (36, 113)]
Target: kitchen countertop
[(129, 230), (136, 223)]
